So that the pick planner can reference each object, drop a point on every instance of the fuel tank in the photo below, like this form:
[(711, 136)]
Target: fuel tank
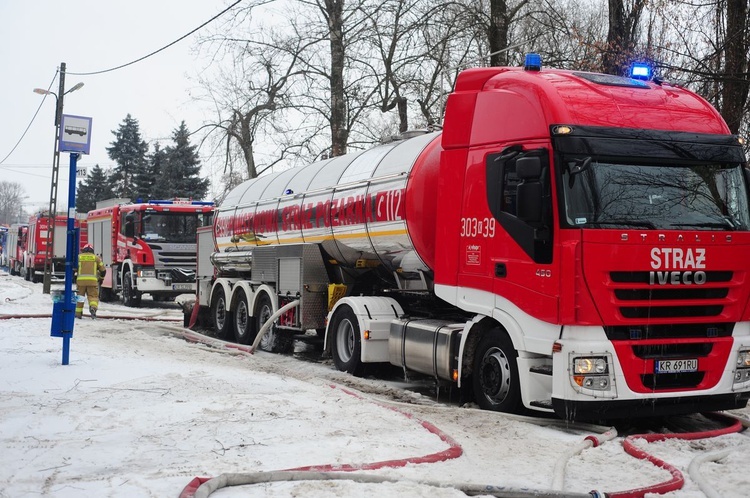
[(365, 209)]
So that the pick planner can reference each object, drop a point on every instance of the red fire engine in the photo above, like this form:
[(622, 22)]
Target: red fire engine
[(570, 242), (16, 246), (148, 248), (35, 254)]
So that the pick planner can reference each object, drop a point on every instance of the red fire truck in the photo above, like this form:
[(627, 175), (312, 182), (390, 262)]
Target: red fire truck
[(16, 246), (148, 248), (570, 242), (35, 254)]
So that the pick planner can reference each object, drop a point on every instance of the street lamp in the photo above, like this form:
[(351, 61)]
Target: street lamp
[(55, 171)]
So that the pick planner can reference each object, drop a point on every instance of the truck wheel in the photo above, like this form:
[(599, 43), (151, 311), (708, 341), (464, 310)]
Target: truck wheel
[(346, 346), (495, 374), (105, 294), (220, 315), (273, 340), (130, 296), (244, 330)]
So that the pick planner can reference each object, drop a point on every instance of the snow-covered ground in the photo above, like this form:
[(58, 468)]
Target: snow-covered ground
[(140, 411)]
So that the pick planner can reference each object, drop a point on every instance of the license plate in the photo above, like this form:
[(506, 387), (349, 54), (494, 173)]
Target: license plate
[(676, 366), (187, 287)]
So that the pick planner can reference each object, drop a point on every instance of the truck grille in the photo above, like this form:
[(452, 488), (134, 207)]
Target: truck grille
[(652, 335), (165, 258), (638, 299)]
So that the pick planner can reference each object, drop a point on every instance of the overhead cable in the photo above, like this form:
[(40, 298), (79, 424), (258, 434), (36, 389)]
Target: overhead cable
[(32, 119), (162, 48)]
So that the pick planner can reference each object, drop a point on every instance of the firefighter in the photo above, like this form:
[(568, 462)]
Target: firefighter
[(90, 271)]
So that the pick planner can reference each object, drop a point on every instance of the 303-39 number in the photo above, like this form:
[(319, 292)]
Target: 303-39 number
[(475, 227)]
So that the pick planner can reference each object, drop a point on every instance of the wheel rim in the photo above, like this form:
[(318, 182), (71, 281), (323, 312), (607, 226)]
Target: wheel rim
[(220, 313), (265, 313), (495, 375), (241, 317), (345, 340)]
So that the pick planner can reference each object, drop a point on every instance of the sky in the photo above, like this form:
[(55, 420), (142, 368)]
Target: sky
[(89, 36), (140, 412)]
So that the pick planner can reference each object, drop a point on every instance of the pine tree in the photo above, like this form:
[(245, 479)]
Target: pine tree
[(147, 179), (182, 168), (158, 167), (97, 186), (128, 151)]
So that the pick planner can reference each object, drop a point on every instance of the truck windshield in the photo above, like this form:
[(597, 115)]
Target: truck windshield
[(170, 227), (619, 195)]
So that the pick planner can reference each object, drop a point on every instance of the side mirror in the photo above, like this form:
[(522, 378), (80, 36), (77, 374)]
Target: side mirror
[(129, 229), (577, 167)]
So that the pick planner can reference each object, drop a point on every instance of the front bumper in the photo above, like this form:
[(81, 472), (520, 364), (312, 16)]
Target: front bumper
[(648, 407)]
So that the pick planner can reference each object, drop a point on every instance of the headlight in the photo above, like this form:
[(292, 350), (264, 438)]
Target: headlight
[(590, 365), (146, 273), (743, 358)]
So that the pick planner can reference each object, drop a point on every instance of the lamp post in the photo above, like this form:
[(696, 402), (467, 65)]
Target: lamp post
[(55, 172)]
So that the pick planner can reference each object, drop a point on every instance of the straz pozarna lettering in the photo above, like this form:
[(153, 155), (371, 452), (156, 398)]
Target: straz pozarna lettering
[(677, 266)]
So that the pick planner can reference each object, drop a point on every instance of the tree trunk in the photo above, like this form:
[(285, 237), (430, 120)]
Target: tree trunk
[(621, 36), (735, 91), (339, 130), (498, 32)]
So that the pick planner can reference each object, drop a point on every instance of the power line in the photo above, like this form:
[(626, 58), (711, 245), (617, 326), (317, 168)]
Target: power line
[(32, 118), (162, 48)]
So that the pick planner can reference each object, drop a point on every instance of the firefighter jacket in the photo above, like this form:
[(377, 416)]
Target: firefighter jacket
[(90, 268)]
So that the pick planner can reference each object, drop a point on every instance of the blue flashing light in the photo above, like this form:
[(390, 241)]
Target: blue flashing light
[(181, 202), (533, 62), (640, 71)]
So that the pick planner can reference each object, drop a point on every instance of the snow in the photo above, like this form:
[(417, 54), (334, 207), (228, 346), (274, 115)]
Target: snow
[(140, 411)]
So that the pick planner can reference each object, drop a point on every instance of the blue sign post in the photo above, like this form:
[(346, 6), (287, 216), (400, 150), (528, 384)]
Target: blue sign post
[(75, 137)]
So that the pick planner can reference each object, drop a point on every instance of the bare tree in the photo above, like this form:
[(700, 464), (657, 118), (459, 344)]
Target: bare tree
[(393, 31), (252, 93), (11, 202)]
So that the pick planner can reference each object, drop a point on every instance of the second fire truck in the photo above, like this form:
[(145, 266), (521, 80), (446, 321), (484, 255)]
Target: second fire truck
[(148, 247)]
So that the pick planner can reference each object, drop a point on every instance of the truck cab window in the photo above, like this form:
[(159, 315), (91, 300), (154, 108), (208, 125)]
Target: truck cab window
[(692, 196)]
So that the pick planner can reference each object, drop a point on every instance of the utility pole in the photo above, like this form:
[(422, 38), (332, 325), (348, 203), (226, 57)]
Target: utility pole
[(53, 189)]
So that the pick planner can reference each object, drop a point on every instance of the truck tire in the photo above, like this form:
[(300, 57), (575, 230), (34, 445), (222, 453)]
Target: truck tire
[(105, 294), (495, 374), (130, 296), (221, 317), (273, 340), (346, 345), (244, 326)]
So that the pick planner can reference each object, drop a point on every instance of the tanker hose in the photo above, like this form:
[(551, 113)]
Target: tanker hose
[(269, 322), (224, 480), (588, 442)]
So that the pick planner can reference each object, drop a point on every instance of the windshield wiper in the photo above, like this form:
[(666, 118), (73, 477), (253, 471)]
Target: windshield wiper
[(630, 223), (707, 224)]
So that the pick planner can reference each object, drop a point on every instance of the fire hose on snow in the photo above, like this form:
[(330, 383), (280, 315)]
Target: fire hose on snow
[(98, 317), (203, 487)]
